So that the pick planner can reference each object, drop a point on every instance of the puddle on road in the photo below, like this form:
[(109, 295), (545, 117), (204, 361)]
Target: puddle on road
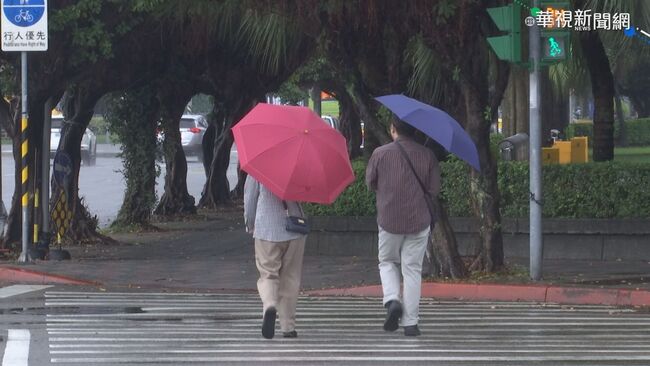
[(56, 310)]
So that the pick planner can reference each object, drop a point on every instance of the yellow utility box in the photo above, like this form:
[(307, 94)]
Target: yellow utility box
[(565, 151), (550, 155), (579, 150)]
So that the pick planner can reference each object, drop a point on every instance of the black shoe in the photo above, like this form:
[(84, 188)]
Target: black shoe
[(392, 315), (412, 331), (268, 324), (292, 334)]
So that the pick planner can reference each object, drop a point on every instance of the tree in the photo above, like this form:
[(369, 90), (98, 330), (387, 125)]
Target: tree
[(133, 116), (452, 42)]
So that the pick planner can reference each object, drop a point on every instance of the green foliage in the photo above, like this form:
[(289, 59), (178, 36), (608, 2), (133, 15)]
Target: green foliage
[(593, 190), (132, 116), (580, 129), (200, 104), (93, 28), (357, 200), (291, 93), (637, 131)]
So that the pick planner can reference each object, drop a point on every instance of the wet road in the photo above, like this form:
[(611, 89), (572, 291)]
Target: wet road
[(76, 326), (102, 185)]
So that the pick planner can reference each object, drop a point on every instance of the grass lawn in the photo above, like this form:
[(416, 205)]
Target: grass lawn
[(635, 154), (328, 107)]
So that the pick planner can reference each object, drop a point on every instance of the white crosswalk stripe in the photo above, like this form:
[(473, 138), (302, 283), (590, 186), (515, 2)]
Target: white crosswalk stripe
[(218, 329)]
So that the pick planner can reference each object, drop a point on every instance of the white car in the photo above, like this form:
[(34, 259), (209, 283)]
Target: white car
[(332, 121), (88, 142), (192, 128)]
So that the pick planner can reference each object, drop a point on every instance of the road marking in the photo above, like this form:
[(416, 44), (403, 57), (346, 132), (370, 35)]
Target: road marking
[(14, 290), (17, 350), (133, 328)]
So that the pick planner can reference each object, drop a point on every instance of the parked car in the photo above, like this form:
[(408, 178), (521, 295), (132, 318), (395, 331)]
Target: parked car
[(88, 142), (192, 128), (332, 121)]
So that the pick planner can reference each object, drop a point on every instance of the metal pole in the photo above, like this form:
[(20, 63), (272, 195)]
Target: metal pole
[(24, 149), (45, 169), (536, 244)]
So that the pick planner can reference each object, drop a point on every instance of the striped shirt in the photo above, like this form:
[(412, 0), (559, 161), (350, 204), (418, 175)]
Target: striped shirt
[(264, 213), (401, 208)]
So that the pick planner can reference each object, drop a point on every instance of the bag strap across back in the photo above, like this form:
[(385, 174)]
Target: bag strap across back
[(401, 148), (286, 209)]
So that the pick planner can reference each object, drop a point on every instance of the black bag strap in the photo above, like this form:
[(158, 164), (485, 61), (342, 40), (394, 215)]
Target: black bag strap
[(401, 148), (286, 209)]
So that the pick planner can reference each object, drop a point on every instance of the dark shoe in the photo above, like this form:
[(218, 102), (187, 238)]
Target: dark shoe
[(268, 324), (292, 334), (392, 315), (412, 331)]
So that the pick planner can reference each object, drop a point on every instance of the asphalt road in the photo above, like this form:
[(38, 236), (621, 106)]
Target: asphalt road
[(86, 326), (102, 185)]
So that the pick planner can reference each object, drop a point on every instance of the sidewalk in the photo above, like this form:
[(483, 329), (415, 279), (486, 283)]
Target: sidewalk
[(216, 254)]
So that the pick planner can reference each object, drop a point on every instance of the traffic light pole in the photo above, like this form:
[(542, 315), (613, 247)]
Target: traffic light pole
[(536, 244)]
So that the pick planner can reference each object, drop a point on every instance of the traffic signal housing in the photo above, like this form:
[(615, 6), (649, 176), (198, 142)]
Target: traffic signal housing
[(508, 19)]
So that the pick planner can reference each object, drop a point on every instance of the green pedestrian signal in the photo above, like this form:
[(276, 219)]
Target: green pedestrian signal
[(554, 48), (508, 19)]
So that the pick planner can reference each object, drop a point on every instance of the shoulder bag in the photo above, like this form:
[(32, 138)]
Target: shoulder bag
[(296, 224)]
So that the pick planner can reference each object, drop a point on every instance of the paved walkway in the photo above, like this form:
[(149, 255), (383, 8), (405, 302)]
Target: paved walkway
[(216, 254)]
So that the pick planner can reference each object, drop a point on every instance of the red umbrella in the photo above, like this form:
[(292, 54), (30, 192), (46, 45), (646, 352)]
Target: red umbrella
[(293, 153)]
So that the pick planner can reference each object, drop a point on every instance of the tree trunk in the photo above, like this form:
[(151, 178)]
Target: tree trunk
[(444, 249), (620, 121), (136, 125), (350, 125), (641, 105), (238, 192), (522, 103), (217, 188), (515, 103), (376, 133), (176, 199), (602, 86), (483, 185), (315, 97)]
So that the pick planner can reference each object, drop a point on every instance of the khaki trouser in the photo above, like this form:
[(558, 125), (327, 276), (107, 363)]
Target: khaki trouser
[(280, 267)]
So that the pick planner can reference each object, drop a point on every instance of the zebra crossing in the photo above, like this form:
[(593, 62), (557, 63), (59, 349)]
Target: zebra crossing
[(110, 328)]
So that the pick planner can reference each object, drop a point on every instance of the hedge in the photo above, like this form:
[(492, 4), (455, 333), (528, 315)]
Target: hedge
[(637, 131), (592, 190)]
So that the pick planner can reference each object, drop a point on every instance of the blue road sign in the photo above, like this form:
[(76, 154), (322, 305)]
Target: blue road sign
[(24, 13), (62, 168)]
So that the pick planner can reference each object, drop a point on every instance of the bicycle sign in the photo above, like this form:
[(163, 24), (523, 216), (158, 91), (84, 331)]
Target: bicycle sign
[(24, 25)]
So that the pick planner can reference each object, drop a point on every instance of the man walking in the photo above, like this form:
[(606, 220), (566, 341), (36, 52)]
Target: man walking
[(404, 220)]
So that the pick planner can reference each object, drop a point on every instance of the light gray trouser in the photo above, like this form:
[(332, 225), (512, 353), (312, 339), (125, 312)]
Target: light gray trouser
[(280, 267), (407, 251)]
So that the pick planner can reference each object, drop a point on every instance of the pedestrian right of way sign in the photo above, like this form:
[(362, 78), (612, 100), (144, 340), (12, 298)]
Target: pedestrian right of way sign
[(24, 25)]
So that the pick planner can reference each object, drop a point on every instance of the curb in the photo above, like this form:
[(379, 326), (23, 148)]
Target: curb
[(533, 293), (21, 275)]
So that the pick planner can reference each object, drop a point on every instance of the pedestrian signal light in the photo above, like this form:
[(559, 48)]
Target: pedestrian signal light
[(554, 48)]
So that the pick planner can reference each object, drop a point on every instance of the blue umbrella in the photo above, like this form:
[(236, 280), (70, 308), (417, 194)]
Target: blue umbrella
[(435, 123)]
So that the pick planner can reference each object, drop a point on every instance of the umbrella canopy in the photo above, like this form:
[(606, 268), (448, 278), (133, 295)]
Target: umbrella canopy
[(435, 123), (293, 153)]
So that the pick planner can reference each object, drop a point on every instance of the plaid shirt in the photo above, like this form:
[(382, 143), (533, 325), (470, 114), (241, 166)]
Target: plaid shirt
[(401, 208)]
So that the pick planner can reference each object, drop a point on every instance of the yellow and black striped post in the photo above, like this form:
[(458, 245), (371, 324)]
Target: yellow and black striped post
[(24, 154), (35, 217)]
